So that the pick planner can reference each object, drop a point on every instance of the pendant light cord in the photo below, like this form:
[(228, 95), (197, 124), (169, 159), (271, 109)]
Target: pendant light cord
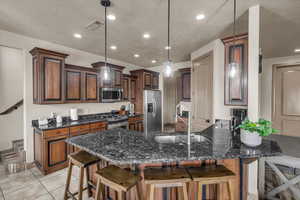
[(105, 36), (234, 29), (169, 13)]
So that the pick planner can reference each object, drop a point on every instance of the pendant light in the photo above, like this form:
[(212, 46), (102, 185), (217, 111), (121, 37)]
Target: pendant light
[(233, 65), (105, 70), (168, 65)]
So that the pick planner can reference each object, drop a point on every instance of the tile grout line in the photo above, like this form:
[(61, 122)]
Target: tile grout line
[(42, 185)]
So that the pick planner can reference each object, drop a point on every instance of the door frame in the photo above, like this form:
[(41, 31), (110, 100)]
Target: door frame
[(274, 68), (209, 53)]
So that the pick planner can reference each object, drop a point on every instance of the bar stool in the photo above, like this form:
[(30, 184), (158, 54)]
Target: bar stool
[(118, 179), (166, 178), (83, 160), (212, 174)]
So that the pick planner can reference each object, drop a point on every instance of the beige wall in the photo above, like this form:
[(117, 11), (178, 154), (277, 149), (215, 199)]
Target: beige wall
[(11, 91), (160, 69), (32, 111), (266, 83), (220, 111)]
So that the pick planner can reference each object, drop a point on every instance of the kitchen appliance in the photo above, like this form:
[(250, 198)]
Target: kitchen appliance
[(152, 111), (111, 94), (74, 114), (238, 116)]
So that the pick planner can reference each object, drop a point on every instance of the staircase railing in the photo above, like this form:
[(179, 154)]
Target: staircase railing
[(13, 107)]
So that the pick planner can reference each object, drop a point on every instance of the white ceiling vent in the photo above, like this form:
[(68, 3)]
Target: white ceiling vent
[(94, 25)]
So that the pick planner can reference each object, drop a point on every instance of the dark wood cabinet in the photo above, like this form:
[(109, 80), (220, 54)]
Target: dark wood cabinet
[(184, 85), (133, 89), (48, 76), (136, 124), (145, 80), (81, 84), (236, 80), (115, 75), (155, 81), (91, 87), (126, 87), (73, 86), (50, 149)]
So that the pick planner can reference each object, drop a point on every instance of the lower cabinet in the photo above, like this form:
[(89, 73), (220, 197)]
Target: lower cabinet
[(136, 124), (50, 149)]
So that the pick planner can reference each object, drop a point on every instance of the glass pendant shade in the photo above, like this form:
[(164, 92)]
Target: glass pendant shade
[(168, 68), (105, 73), (233, 66)]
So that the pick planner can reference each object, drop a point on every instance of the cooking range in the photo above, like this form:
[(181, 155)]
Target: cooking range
[(114, 120)]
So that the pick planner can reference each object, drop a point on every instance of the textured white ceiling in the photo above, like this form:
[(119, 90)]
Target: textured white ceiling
[(57, 20)]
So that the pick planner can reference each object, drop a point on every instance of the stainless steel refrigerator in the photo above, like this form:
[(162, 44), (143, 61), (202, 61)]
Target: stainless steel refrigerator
[(152, 111)]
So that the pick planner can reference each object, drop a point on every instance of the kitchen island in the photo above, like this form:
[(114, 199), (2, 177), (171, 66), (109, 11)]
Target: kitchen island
[(138, 150)]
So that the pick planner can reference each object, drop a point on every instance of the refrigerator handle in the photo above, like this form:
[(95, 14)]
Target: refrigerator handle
[(154, 108)]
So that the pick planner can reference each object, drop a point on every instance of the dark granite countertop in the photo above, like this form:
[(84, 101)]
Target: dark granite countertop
[(66, 124), (120, 146)]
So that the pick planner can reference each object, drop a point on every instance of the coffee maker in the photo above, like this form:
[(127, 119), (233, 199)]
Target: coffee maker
[(238, 115)]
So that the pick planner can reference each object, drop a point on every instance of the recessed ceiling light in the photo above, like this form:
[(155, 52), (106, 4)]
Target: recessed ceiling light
[(136, 55), (297, 50), (146, 35), (167, 48), (153, 61), (77, 35), (111, 17), (200, 17), (113, 47)]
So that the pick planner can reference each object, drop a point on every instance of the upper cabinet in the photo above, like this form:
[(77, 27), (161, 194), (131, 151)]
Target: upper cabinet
[(149, 79), (236, 78), (116, 74), (48, 76), (184, 84), (81, 84), (129, 87)]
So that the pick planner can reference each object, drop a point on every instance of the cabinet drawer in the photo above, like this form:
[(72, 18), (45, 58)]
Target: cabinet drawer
[(134, 119), (77, 130), (99, 125), (56, 133)]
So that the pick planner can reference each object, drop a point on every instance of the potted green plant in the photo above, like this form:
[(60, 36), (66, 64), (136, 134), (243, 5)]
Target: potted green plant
[(252, 132)]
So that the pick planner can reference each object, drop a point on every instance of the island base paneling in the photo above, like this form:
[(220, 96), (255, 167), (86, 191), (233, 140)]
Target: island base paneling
[(211, 191)]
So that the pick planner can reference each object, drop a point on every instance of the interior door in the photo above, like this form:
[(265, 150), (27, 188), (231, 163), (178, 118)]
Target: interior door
[(286, 96), (202, 85)]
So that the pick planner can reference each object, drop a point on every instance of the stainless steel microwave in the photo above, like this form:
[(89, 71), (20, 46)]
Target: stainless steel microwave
[(111, 94)]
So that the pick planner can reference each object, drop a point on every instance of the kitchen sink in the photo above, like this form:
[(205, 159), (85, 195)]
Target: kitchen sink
[(166, 139)]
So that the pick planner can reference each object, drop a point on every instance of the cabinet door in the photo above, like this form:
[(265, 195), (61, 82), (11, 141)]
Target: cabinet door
[(186, 86), (155, 81), (126, 88), (57, 151), (133, 89), (117, 78), (52, 76), (73, 86), (147, 80), (140, 126), (91, 90), (132, 126)]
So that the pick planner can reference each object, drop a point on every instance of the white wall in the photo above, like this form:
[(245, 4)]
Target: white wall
[(266, 82), (32, 111), (220, 111), (11, 91)]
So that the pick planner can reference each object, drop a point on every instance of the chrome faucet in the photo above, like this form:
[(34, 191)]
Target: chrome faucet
[(188, 125)]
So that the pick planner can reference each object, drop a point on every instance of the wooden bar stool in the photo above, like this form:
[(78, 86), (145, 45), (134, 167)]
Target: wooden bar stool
[(212, 174), (83, 160), (166, 178), (118, 179)]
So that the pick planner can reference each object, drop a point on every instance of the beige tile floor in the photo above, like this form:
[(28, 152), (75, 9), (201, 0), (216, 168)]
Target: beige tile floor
[(33, 185)]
